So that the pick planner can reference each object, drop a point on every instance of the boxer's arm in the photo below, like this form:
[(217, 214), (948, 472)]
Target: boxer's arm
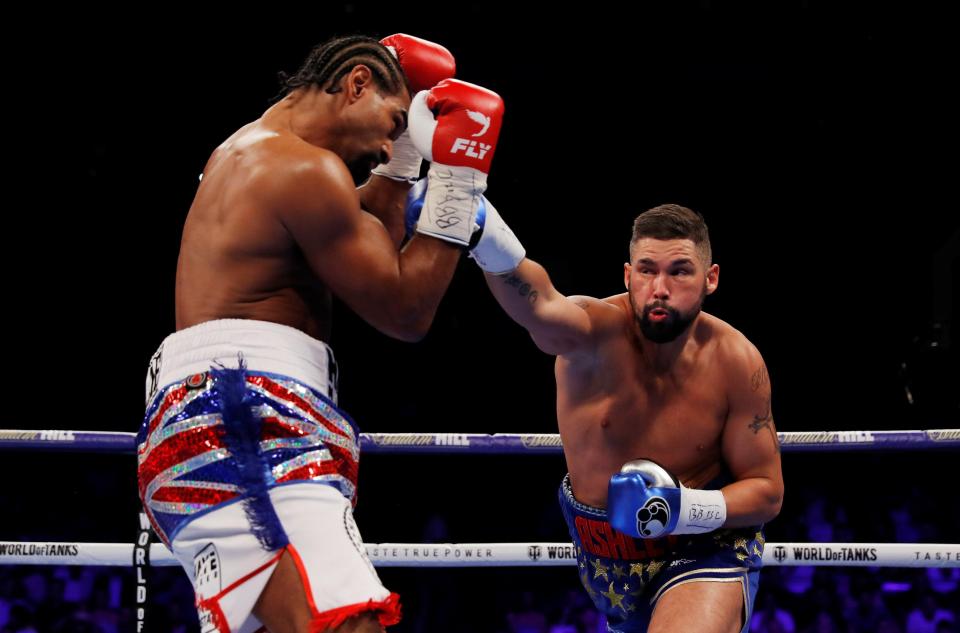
[(749, 444), (384, 198), (353, 254), (559, 325)]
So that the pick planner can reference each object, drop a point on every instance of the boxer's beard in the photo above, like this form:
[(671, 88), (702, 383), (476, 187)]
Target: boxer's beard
[(670, 327)]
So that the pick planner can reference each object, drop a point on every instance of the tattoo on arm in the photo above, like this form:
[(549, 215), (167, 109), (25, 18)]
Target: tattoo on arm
[(765, 421), (759, 378), (523, 288)]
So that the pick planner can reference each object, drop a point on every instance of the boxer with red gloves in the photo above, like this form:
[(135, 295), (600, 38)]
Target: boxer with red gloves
[(247, 467)]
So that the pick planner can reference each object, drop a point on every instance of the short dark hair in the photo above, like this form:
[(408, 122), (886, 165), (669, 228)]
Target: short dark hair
[(328, 62), (674, 222)]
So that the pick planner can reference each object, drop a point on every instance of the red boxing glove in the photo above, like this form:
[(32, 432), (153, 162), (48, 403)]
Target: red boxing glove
[(425, 63), (457, 124)]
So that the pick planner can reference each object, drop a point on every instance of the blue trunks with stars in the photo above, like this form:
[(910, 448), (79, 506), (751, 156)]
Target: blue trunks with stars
[(625, 576)]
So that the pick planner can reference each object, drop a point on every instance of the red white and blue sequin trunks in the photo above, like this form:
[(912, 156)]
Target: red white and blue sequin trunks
[(242, 456)]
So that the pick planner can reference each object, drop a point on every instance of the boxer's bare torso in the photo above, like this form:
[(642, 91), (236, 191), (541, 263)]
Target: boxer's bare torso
[(237, 259), (615, 404)]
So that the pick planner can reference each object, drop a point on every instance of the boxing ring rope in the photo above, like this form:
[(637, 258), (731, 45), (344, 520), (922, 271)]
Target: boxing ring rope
[(499, 554), (495, 444), (505, 554)]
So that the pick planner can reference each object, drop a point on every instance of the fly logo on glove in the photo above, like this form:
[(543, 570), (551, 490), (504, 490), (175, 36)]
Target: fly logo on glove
[(470, 148), (482, 119)]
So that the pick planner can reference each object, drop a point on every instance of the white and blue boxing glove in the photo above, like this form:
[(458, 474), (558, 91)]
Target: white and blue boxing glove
[(492, 245), (645, 501)]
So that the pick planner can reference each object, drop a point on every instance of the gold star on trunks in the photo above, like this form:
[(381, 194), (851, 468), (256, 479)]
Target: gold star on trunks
[(615, 598), (586, 585), (636, 568), (740, 543), (618, 571), (626, 587), (759, 538), (653, 568), (630, 607), (757, 551), (599, 569), (742, 556)]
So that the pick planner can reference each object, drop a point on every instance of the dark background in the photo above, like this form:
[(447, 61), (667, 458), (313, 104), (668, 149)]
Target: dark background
[(818, 139)]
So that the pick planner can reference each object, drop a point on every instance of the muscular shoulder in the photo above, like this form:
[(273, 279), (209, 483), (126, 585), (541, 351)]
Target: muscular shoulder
[(739, 357), (608, 315), (299, 178)]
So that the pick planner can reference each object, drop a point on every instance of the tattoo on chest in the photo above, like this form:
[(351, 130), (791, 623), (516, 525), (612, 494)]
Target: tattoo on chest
[(765, 421), (523, 289)]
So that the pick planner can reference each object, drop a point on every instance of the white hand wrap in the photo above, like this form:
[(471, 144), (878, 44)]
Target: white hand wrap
[(700, 511), (452, 201), (498, 251), (405, 163)]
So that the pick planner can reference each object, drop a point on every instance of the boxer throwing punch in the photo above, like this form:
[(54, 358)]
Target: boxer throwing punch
[(665, 417)]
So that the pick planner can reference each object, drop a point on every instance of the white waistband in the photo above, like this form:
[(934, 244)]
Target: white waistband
[(266, 347)]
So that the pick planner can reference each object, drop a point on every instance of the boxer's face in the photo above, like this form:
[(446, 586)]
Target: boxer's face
[(667, 282), (375, 121)]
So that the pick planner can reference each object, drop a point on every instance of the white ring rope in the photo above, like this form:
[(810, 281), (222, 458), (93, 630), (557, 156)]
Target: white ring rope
[(506, 554)]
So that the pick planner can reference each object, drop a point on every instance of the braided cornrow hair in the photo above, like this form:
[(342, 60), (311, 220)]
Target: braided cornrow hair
[(327, 63)]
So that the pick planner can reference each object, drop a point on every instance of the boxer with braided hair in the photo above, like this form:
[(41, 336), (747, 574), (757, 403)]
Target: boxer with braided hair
[(247, 468)]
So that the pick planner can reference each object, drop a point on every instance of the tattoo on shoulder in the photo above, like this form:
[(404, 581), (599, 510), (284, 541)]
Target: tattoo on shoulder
[(765, 421), (523, 288), (582, 303), (759, 378)]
